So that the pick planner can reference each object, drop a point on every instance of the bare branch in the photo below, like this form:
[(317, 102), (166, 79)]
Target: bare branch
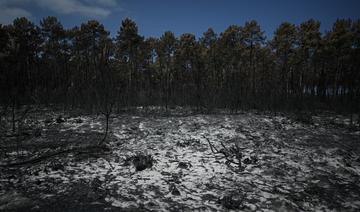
[(226, 153)]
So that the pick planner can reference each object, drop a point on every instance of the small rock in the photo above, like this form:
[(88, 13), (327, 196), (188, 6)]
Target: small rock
[(174, 190), (247, 161), (140, 161), (184, 165), (254, 159)]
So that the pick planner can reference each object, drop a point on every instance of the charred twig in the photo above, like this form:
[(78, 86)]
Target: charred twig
[(212, 147), (227, 154), (225, 149)]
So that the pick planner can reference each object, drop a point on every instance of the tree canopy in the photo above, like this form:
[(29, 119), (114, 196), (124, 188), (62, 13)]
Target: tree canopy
[(299, 68)]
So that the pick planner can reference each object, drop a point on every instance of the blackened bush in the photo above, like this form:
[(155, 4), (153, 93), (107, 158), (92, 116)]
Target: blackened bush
[(140, 161)]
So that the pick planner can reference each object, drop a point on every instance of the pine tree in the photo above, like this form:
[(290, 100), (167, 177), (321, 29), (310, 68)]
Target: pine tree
[(231, 48), (309, 38), (128, 44), (23, 56), (166, 52), (52, 51), (212, 73), (189, 72), (253, 37), (284, 44)]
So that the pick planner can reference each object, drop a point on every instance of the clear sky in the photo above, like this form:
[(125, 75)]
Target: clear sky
[(195, 16)]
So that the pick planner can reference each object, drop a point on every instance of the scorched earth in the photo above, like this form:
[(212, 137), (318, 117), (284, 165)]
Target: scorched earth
[(183, 163)]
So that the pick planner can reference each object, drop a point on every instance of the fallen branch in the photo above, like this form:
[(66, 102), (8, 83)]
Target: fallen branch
[(77, 151)]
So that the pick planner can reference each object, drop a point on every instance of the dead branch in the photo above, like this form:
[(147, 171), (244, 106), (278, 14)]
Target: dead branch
[(77, 151), (227, 154), (212, 147)]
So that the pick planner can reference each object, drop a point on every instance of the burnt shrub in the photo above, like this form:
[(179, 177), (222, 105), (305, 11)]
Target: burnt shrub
[(140, 161)]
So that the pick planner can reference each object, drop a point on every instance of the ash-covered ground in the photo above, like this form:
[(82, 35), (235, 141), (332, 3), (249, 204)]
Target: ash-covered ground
[(287, 164)]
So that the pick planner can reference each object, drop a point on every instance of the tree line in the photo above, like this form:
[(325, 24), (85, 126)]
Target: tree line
[(299, 68)]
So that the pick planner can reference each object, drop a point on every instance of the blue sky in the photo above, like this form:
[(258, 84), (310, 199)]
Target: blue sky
[(195, 16)]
